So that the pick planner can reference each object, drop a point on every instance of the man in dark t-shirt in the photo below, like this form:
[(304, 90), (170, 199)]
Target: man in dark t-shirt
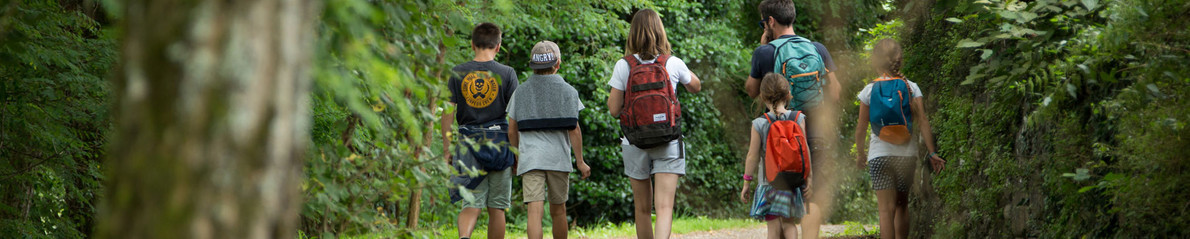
[(480, 90), (777, 18)]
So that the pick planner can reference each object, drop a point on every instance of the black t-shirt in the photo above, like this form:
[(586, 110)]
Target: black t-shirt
[(481, 91), (762, 58)]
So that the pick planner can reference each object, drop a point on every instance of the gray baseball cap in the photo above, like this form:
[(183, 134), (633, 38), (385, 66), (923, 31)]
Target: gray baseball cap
[(545, 55)]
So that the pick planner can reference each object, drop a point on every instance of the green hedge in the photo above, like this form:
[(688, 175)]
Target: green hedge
[(1059, 118)]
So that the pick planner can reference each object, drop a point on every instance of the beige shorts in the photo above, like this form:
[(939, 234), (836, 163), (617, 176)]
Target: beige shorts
[(535, 183)]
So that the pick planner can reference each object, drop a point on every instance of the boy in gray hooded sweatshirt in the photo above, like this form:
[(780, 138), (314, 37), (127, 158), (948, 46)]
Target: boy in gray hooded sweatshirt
[(543, 126)]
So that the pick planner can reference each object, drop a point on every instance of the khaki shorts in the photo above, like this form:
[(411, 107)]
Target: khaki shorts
[(535, 184)]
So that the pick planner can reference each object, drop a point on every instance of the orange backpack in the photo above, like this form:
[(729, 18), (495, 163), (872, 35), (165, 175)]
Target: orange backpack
[(785, 149)]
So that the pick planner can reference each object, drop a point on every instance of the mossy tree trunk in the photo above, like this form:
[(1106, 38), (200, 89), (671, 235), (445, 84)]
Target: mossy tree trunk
[(211, 119)]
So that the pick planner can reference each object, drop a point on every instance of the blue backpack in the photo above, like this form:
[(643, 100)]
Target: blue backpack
[(888, 109), (798, 61), (490, 158)]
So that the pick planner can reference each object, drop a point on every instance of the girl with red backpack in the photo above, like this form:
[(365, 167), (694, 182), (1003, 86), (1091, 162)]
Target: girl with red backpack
[(783, 178), (644, 96), (891, 104)]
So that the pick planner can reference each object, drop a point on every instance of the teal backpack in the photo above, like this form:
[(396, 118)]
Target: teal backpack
[(797, 59), (889, 111)]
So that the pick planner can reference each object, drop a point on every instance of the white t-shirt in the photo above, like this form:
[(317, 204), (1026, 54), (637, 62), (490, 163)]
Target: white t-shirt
[(678, 73), (878, 148)]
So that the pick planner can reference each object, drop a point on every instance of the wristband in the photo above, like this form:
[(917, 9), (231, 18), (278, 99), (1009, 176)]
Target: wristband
[(932, 154), (747, 177)]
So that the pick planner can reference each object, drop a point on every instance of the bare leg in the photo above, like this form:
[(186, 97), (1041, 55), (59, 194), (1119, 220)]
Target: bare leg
[(642, 197), (667, 185), (902, 219), (495, 223), (774, 227), (533, 230), (811, 221), (789, 228), (558, 214), (886, 204), (467, 220)]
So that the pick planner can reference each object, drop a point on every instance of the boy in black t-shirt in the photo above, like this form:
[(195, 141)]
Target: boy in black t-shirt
[(480, 90)]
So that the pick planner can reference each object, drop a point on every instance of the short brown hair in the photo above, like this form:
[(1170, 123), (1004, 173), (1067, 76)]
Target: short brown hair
[(774, 89), (783, 11), (886, 57), (545, 71), (646, 35), (486, 36)]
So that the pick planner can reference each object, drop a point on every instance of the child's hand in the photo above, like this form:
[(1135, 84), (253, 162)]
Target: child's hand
[(744, 192), (861, 161), (937, 163), (584, 169), (807, 191)]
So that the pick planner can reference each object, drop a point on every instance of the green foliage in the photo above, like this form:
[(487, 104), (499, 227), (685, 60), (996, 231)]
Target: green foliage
[(380, 68), (1065, 120), (53, 116)]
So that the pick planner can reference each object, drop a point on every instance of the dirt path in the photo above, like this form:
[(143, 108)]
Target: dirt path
[(827, 231)]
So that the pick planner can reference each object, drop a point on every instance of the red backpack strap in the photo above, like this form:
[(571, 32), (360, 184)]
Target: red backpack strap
[(661, 59), (632, 62)]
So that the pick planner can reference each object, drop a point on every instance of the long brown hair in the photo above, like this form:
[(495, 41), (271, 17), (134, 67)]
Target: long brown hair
[(646, 35), (774, 90), (886, 57)]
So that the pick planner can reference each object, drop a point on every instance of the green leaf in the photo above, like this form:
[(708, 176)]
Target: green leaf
[(1082, 174), (466, 193), (968, 43), (1090, 4), (1111, 177), (954, 20), (968, 81), (986, 53), (1087, 188)]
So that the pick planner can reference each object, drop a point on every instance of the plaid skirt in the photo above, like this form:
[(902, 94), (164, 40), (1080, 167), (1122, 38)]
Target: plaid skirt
[(769, 203)]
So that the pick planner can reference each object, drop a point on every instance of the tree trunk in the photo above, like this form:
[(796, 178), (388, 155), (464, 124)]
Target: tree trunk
[(211, 119)]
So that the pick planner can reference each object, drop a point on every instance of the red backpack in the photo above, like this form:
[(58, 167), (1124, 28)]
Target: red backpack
[(651, 116), (785, 150)]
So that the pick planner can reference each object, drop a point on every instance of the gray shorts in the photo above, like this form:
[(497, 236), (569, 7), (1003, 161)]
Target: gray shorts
[(641, 163), (890, 172), (494, 192)]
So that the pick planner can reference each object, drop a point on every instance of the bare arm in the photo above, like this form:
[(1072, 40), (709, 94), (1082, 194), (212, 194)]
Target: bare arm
[(615, 101), (576, 145), (752, 87), (923, 122), (448, 121), (695, 84), (832, 90), (861, 136), (753, 158), (751, 161), (514, 135)]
